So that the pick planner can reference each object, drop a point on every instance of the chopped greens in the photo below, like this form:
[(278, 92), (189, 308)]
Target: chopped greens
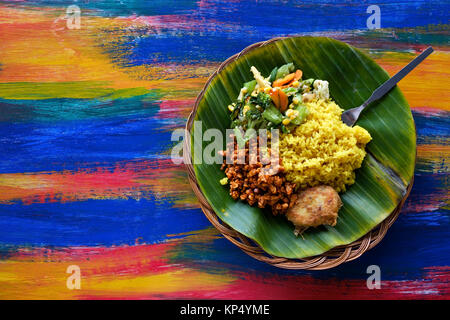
[(253, 117), (284, 70), (250, 86), (261, 106), (301, 116), (273, 115), (273, 75), (290, 91), (262, 99), (239, 138)]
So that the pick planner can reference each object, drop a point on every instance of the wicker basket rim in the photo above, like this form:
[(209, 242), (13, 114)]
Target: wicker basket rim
[(330, 259)]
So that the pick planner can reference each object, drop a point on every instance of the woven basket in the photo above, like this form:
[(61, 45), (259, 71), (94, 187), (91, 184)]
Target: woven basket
[(327, 260)]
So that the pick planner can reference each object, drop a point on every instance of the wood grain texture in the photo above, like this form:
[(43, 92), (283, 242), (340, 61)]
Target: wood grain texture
[(85, 126)]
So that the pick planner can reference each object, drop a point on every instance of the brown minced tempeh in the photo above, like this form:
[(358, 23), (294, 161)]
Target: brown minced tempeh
[(250, 181)]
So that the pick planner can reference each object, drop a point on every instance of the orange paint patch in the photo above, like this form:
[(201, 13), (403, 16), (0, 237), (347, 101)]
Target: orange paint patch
[(436, 156), (136, 270), (425, 86)]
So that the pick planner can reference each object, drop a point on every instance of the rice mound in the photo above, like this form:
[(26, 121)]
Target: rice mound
[(323, 150)]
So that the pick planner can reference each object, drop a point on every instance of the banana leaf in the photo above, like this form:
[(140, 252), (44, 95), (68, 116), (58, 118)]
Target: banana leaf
[(381, 182)]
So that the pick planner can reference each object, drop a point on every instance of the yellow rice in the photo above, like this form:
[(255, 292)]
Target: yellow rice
[(323, 150)]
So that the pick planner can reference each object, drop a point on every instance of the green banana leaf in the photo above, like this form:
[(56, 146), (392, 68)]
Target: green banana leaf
[(381, 182)]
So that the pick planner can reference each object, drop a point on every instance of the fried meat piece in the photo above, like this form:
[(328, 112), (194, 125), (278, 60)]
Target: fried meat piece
[(314, 207)]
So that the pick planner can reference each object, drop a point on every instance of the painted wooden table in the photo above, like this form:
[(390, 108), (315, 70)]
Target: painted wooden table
[(87, 108)]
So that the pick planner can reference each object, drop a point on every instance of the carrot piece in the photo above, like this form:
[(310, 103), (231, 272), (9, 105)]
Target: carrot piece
[(275, 97), (280, 99), (283, 100), (286, 79), (298, 75)]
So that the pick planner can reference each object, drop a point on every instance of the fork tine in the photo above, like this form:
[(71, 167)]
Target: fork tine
[(348, 117)]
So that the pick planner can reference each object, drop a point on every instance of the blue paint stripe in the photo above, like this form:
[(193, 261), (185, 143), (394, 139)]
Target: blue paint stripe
[(68, 145), (95, 222), (402, 255), (239, 24)]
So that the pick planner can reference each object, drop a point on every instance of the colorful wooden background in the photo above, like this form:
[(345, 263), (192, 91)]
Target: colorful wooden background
[(86, 117)]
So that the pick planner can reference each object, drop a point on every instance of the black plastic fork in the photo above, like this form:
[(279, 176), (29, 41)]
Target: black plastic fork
[(350, 116)]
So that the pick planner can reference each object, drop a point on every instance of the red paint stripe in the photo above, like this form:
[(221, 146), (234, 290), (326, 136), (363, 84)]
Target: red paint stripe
[(104, 261), (434, 285)]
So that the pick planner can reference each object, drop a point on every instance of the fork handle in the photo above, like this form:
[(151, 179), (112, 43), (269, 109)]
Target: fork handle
[(389, 84)]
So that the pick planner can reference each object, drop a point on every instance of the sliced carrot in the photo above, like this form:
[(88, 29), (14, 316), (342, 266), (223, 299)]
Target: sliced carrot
[(275, 97), (286, 79), (298, 75), (280, 99), (283, 100)]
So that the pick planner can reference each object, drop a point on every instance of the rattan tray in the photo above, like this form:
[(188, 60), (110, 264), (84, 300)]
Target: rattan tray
[(327, 260)]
